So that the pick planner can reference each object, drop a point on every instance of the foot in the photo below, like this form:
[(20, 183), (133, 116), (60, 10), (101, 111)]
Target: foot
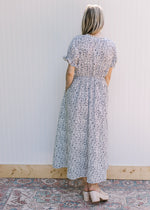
[(94, 188), (86, 188)]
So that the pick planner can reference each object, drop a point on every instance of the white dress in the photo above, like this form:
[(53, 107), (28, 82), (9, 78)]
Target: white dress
[(81, 142)]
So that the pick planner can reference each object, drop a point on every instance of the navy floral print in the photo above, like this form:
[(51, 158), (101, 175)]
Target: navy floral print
[(81, 142)]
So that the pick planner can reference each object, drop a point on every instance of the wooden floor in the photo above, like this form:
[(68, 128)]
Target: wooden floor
[(47, 171)]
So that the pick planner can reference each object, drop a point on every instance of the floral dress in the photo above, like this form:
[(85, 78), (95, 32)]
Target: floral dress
[(81, 143)]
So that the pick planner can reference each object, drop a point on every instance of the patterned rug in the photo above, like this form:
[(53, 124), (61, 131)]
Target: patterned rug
[(65, 194)]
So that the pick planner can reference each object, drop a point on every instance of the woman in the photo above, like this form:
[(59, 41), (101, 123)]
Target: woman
[(81, 142)]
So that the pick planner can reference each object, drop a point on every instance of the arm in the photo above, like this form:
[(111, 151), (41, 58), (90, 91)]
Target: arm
[(69, 76), (108, 76), (113, 62)]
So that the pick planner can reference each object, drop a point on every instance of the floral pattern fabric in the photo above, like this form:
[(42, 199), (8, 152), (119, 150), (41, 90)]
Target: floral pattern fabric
[(81, 142)]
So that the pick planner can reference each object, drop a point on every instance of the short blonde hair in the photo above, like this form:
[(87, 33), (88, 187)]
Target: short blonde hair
[(93, 19)]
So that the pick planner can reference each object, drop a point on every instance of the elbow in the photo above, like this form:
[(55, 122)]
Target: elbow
[(68, 74), (108, 77)]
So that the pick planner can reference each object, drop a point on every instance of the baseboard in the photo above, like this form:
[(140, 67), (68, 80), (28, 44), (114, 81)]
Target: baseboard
[(47, 171)]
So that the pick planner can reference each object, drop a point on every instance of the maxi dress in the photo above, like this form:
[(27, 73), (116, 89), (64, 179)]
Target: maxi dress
[(81, 143)]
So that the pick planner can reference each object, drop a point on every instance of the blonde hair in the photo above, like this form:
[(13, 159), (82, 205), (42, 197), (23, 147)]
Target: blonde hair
[(93, 19)]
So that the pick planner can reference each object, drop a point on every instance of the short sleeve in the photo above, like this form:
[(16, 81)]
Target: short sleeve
[(114, 56), (72, 56)]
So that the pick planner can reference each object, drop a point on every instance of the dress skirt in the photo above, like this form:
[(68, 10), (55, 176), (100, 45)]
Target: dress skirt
[(81, 143)]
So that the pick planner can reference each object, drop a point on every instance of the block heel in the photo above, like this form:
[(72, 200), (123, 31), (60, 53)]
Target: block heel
[(94, 196), (98, 196), (86, 196)]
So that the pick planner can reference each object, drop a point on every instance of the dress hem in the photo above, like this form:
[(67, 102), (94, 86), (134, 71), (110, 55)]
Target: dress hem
[(80, 176)]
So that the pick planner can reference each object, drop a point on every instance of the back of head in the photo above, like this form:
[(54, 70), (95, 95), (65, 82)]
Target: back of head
[(93, 19)]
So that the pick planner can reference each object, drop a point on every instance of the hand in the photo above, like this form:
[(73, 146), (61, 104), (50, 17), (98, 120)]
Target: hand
[(107, 81), (108, 76), (66, 89)]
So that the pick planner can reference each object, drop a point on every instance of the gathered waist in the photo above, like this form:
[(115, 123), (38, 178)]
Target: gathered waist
[(90, 76)]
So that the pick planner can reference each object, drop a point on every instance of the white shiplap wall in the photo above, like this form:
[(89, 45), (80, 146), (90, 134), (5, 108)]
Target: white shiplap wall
[(34, 36)]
